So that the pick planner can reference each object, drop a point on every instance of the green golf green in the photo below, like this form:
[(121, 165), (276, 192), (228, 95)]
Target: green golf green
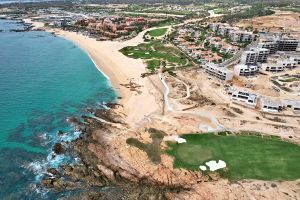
[(246, 156), (154, 52), (158, 32)]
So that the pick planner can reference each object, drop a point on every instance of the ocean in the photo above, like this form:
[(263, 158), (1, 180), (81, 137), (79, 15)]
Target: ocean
[(43, 80)]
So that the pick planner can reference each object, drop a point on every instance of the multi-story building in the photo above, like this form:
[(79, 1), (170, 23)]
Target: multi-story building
[(287, 63), (287, 44), (292, 104), (261, 54), (246, 36), (271, 105), (219, 72), (296, 59), (272, 67), (272, 46), (238, 35), (215, 26), (245, 70), (249, 99), (248, 57)]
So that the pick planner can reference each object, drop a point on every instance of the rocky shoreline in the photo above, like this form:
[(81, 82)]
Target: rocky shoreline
[(106, 169)]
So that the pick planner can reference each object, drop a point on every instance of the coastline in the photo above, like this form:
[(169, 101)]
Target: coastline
[(103, 146), (120, 71)]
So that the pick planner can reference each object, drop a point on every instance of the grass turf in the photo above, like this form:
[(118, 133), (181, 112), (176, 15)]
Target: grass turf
[(158, 32), (247, 157), (153, 52), (153, 64)]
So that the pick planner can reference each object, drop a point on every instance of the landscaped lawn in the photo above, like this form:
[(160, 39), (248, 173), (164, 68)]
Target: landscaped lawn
[(158, 32), (246, 156), (153, 64), (219, 11), (154, 52)]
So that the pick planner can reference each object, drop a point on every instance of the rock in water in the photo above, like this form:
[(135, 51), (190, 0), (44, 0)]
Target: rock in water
[(59, 148)]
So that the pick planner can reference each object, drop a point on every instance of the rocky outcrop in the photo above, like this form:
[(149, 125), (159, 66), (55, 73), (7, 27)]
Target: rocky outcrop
[(102, 165), (59, 148)]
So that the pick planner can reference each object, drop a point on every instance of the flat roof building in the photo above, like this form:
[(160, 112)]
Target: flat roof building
[(287, 44), (272, 67), (248, 57), (249, 99), (221, 73), (271, 105), (245, 70), (261, 54)]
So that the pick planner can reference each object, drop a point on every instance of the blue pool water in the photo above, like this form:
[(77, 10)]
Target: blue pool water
[(43, 80)]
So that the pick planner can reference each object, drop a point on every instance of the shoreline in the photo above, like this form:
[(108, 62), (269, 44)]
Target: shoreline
[(103, 147), (110, 62), (120, 71)]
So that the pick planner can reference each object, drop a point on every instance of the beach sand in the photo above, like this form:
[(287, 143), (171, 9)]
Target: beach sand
[(119, 69)]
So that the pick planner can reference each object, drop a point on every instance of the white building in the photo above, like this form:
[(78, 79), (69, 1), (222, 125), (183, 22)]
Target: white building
[(245, 70), (238, 35), (293, 104), (272, 67), (215, 26), (219, 72), (261, 54), (248, 57), (246, 36), (288, 44), (271, 105), (296, 59), (272, 46), (249, 99), (287, 63)]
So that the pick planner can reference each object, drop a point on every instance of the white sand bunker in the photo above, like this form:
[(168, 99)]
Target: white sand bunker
[(202, 167), (174, 138), (136, 49), (180, 140), (130, 54), (147, 53), (214, 165)]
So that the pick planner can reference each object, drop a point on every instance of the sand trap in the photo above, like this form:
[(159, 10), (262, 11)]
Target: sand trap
[(174, 138), (180, 140), (147, 53), (214, 165), (130, 54), (203, 168), (136, 49)]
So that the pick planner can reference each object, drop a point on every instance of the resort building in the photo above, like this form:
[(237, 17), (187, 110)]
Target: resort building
[(245, 70), (249, 99), (287, 63), (272, 67), (288, 44), (238, 35), (225, 30), (221, 73), (248, 57), (261, 54), (276, 42), (215, 26), (272, 46), (293, 104), (296, 59), (271, 105)]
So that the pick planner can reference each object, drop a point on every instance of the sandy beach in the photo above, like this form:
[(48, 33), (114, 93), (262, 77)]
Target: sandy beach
[(119, 69)]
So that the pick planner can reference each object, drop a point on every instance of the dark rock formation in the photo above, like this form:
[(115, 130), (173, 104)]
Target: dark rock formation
[(59, 148)]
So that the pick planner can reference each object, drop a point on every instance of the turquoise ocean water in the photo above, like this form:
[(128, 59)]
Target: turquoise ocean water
[(43, 80)]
